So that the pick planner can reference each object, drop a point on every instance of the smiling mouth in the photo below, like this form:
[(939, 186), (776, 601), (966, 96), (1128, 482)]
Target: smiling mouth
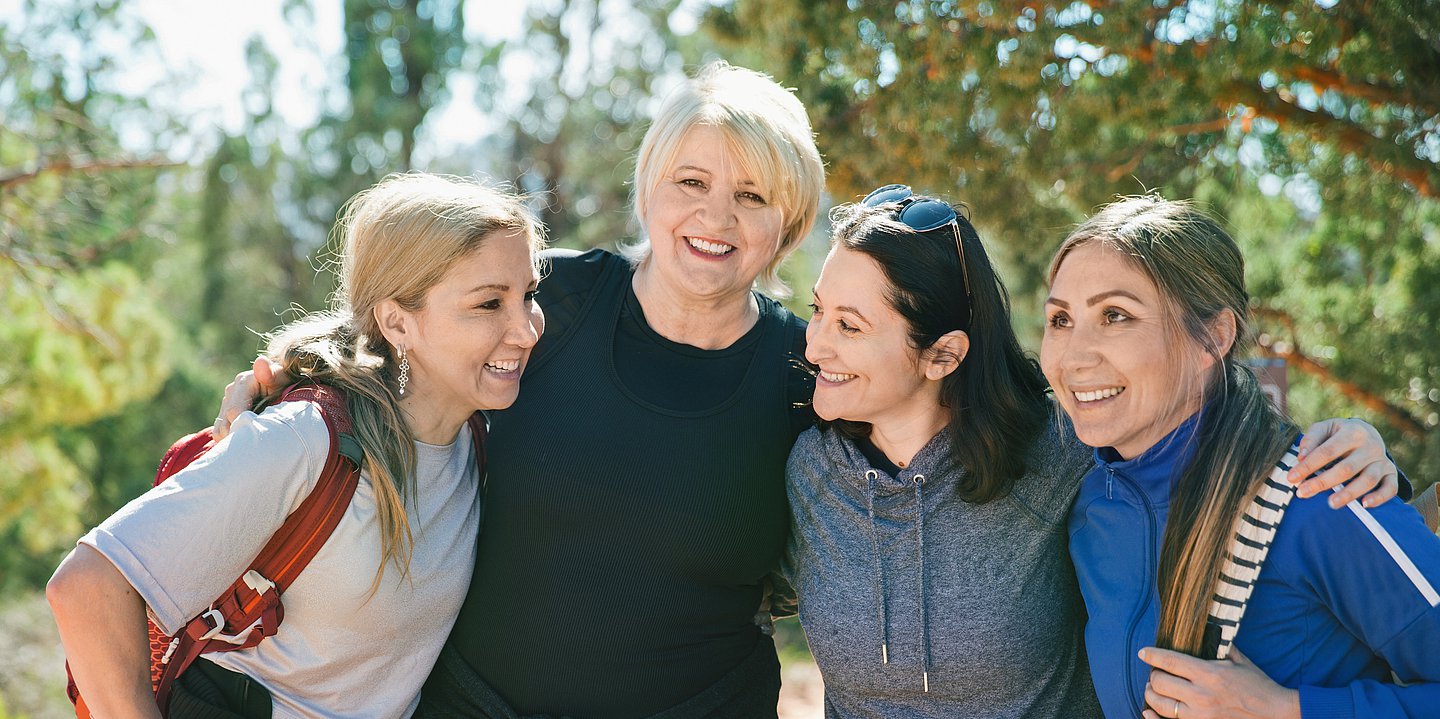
[(836, 377), (1097, 395), (709, 247), (503, 367)]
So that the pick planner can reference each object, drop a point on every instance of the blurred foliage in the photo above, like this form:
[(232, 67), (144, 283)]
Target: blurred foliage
[(1314, 128), (141, 279), (84, 334)]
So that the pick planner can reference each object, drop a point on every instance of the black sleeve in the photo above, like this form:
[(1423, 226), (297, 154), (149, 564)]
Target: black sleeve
[(799, 380), (1406, 490), (567, 281)]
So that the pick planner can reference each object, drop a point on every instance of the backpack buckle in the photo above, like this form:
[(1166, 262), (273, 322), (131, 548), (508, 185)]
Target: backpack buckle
[(257, 582), (216, 620)]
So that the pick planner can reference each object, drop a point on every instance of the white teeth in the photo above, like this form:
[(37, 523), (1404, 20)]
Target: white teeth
[(1098, 394), (834, 377), (709, 248), (504, 366)]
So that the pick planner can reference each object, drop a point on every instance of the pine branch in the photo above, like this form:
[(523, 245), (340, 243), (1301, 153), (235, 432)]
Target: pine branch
[(1379, 153), (68, 165), (1306, 364), (1324, 80)]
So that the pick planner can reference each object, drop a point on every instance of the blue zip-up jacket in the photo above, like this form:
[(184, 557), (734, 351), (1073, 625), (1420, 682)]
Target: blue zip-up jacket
[(1334, 612)]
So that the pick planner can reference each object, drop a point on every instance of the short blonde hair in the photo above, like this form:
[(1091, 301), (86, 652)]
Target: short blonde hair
[(767, 130)]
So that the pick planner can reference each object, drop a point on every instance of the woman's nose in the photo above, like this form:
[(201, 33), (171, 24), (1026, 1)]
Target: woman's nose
[(817, 347), (717, 209)]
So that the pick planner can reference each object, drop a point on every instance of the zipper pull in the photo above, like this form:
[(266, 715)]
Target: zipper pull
[(1109, 483)]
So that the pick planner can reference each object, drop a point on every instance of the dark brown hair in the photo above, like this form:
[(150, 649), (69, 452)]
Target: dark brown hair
[(996, 397)]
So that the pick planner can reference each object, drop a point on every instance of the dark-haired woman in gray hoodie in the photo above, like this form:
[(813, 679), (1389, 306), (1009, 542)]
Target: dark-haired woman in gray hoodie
[(929, 505)]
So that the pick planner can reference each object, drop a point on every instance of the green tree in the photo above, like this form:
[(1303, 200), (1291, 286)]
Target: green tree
[(1312, 126), (83, 222)]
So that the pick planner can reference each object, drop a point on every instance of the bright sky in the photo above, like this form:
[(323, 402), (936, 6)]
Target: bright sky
[(202, 44), (210, 38)]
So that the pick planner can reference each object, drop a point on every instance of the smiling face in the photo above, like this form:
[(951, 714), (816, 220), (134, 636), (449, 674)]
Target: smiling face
[(468, 345), (1124, 376), (712, 229), (869, 372)]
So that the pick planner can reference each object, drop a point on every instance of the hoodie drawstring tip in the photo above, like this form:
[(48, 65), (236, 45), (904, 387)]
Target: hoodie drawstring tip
[(884, 654), (925, 676)]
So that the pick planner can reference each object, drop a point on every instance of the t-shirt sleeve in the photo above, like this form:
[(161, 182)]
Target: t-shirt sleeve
[(184, 542)]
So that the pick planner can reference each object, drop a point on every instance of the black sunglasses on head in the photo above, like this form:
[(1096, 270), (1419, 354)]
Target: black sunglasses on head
[(922, 214)]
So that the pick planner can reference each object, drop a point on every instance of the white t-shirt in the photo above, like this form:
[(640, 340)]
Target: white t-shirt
[(340, 652)]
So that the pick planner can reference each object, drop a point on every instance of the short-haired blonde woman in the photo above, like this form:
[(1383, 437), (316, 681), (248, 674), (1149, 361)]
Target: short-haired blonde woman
[(636, 496), (1182, 536), (434, 320)]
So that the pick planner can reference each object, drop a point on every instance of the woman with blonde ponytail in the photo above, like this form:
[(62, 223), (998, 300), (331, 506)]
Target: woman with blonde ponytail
[(433, 321), (1262, 600)]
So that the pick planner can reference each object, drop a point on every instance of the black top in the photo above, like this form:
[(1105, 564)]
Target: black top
[(876, 457), (635, 502)]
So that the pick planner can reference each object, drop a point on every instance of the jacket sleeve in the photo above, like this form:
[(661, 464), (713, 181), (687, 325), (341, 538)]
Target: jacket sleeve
[(1378, 570)]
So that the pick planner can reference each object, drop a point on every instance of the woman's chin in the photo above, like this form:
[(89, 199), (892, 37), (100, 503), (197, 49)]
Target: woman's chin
[(824, 411)]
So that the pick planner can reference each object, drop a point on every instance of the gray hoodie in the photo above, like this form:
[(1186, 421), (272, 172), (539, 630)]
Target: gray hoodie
[(960, 610)]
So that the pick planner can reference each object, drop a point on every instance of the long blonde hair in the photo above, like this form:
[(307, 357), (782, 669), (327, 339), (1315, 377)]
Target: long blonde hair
[(1200, 272), (396, 241)]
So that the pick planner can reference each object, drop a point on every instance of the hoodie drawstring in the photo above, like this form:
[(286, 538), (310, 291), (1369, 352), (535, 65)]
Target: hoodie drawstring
[(920, 564), (870, 476)]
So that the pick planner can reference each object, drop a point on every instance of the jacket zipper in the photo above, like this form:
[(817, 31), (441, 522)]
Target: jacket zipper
[(1145, 598)]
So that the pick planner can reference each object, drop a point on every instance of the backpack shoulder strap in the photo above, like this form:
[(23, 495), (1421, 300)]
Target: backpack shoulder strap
[(1245, 556), (479, 431), (310, 525), (250, 609)]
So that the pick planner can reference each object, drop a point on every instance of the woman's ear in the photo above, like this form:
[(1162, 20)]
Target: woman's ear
[(395, 323), (1222, 331), (946, 354)]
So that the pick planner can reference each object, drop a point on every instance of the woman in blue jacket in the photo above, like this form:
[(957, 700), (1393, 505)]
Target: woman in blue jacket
[(1170, 534)]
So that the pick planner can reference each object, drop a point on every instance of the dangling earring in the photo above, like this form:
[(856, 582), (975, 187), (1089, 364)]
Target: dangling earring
[(404, 371)]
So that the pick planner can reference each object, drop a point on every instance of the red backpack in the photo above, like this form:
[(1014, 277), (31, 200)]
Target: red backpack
[(250, 609)]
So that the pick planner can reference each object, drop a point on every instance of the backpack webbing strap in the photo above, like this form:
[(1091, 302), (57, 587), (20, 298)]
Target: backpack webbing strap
[(479, 429), (1245, 556), (250, 609)]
